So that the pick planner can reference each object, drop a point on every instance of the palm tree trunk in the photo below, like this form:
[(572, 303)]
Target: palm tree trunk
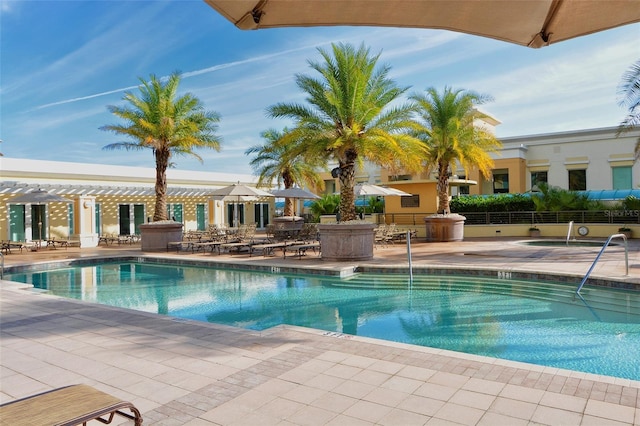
[(288, 206), (162, 162), (347, 206), (287, 179), (443, 189)]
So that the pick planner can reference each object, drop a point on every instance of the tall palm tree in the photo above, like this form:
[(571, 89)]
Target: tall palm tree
[(167, 124), (280, 160), (450, 136), (348, 118), (629, 91)]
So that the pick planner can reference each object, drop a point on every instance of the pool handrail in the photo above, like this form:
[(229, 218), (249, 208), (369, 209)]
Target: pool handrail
[(626, 258), (569, 231)]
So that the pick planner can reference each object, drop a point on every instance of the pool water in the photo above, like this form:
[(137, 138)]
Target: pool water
[(536, 322)]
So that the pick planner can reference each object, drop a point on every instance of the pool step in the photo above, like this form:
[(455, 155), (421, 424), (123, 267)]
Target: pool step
[(594, 297)]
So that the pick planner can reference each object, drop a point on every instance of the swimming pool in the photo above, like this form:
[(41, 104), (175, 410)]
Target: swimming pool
[(536, 322)]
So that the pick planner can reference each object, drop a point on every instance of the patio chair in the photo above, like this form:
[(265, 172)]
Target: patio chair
[(70, 405), (381, 236)]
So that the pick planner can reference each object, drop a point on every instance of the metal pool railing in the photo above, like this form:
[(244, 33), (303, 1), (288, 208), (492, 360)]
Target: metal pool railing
[(626, 258)]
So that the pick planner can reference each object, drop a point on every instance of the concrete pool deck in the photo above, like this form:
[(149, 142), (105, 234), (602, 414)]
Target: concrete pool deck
[(181, 372)]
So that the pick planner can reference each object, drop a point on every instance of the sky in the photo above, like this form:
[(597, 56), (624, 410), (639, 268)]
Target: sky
[(62, 63)]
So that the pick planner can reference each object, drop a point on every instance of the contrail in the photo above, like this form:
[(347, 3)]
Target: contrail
[(184, 75)]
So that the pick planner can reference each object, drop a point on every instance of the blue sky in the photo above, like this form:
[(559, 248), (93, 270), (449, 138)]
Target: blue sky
[(63, 62)]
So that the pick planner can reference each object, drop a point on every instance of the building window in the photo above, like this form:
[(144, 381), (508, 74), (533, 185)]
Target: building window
[(413, 201), (463, 189), (622, 177), (174, 211), (538, 178), (578, 180), (98, 219), (500, 181)]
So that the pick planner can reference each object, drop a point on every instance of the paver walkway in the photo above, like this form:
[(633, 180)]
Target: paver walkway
[(181, 372)]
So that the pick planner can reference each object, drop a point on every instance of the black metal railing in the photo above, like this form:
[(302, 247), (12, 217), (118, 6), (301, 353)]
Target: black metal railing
[(530, 217)]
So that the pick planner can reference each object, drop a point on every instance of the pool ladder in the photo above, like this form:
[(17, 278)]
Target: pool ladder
[(626, 258)]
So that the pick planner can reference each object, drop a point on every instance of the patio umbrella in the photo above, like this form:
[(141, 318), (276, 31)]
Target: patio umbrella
[(532, 23), (295, 193), (365, 189), (237, 192), (38, 197)]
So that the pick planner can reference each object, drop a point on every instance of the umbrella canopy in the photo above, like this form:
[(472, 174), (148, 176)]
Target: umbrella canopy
[(38, 196), (532, 23), (295, 192), (238, 190), (364, 189)]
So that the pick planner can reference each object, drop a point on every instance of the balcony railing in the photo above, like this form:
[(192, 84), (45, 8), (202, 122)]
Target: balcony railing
[(518, 218)]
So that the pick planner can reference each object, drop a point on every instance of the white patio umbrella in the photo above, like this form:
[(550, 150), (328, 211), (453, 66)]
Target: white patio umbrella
[(365, 189), (295, 193), (38, 197), (532, 23), (237, 192)]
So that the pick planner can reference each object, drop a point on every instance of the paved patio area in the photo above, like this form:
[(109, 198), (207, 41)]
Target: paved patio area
[(181, 372)]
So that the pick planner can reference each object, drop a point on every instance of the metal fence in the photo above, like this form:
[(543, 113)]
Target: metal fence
[(518, 218)]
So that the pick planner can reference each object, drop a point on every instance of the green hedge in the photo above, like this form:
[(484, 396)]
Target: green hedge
[(492, 203)]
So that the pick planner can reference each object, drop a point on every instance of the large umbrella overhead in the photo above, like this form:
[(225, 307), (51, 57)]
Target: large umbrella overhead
[(532, 23), (38, 196), (239, 192), (295, 193)]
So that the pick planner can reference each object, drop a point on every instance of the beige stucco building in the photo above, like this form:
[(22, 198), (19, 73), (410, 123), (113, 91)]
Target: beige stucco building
[(590, 160), (115, 200)]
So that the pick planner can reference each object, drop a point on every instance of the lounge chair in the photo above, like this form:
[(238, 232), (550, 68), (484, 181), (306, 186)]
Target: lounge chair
[(70, 405), (7, 246), (302, 248)]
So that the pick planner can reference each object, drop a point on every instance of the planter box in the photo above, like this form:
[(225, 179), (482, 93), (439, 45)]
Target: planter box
[(347, 241), (156, 236), (441, 228)]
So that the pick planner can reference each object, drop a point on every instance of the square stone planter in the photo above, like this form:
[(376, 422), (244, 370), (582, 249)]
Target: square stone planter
[(155, 236), (347, 241)]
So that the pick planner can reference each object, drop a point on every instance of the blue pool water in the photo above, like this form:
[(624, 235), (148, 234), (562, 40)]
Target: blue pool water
[(536, 322)]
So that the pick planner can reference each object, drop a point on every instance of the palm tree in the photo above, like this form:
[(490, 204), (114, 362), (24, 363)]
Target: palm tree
[(348, 118), (166, 124), (280, 160), (450, 136), (328, 204), (629, 90)]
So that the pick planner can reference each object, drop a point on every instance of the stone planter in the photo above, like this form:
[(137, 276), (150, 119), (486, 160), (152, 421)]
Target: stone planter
[(441, 228), (347, 241), (627, 234), (155, 236), (534, 233)]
